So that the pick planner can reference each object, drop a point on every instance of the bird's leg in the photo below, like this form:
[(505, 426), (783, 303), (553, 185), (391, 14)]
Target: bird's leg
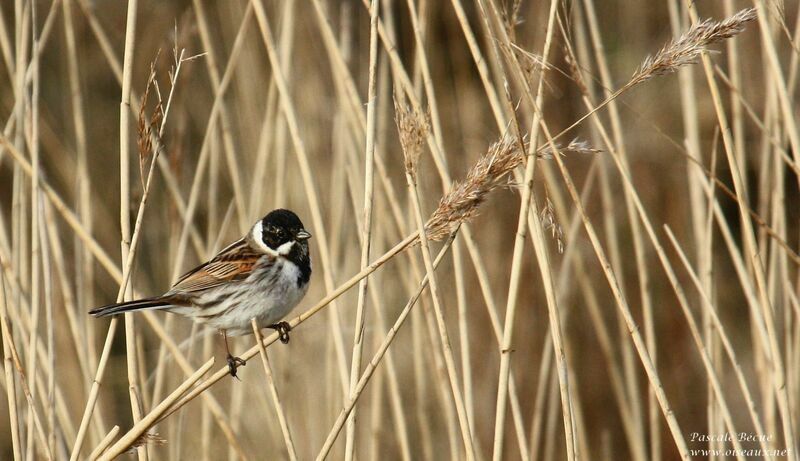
[(283, 329), (233, 362)]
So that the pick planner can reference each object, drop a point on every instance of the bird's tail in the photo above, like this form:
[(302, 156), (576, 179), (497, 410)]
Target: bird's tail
[(139, 304)]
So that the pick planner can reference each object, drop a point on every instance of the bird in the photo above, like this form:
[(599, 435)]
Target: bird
[(261, 276)]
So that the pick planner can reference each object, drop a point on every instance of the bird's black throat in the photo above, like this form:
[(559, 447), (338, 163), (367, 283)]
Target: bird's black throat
[(299, 256)]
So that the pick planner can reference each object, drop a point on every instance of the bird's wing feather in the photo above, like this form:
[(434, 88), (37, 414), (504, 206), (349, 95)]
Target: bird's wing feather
[(233, 263)]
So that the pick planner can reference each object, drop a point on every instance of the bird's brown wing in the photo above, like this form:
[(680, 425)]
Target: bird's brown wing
[(232, 264)]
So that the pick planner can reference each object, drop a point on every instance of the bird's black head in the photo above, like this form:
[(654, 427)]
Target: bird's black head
[(279, 229)]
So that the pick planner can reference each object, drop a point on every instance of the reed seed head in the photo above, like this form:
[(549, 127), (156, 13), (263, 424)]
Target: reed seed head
[(689, 46)]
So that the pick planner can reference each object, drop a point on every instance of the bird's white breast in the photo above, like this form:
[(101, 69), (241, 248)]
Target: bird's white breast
[(268, 295)]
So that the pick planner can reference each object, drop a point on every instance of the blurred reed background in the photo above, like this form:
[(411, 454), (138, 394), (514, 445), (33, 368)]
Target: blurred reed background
[(672, 312)]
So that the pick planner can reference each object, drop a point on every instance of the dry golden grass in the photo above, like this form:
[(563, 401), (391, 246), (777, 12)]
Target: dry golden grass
[(573, 227)]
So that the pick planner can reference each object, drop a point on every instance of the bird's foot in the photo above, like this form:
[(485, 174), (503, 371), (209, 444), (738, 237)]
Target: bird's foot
[(233, 364), (283, 329)]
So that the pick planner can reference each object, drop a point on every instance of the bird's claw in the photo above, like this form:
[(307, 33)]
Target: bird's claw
[(234, 363), (283, 329)]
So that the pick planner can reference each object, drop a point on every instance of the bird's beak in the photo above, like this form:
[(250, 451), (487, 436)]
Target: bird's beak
[(303, 235)]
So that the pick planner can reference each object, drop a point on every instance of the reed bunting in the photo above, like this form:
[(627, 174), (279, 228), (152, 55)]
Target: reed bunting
[(263, 275)]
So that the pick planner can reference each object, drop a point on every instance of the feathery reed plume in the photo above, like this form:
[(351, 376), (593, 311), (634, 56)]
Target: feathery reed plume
[(575, 70), (530, 62), (511, 17), (412, 128), (575, 146), (463, 200), (548, 219), (148, 438), (489, 173), (687, 49), (147, 128)]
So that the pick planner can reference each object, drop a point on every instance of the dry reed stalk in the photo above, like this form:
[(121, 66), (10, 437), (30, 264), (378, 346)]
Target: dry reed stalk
[(311, 193), (131, 438), (382, 349), (624, 173), (5, 49), (425, 72), (225, 121), (421, 78), (37, 427), (480, 63), (621, 303), (124, 216), (754, 215), (74, 320), (737, 115), (412, 130), (410, 280), (341, 72), (775, 356), (6, 258), (126, 291), (169, 178), (104, 443), (37, 269), (369, 182), (603, 335), (399, 404), (210, 402), (639, 343), (376, 416), (449, 360), (50, 370), (132, 243), (19, 238), (146, 139), (545, 153), (704, 354), (395, 394), (773, 142), (273, 390), (542, 381), (205, 153), (275, 123), (84, 266), (708, 306), (700, 213), (551, 419), (24, 65), (787, 103), (21, 319), (560, 164), (434, 145), (632, 383), (639, 253), (501, 120), (540, 249), (67, 214), (10, 382), (234, 410)]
